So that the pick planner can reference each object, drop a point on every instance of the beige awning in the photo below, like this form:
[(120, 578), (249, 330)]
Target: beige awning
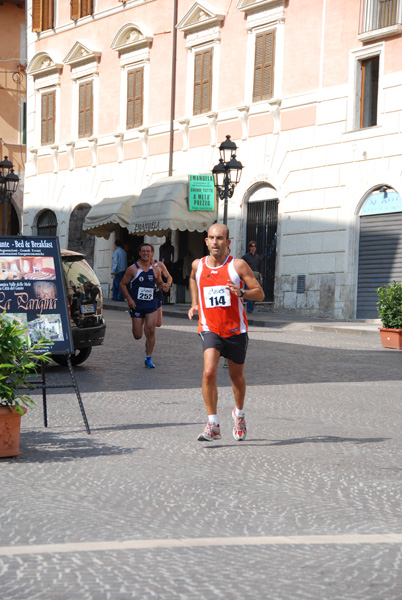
[(104, 217), (163, 206)]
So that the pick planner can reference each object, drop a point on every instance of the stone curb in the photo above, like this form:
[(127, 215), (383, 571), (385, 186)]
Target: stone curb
[(274, 321)]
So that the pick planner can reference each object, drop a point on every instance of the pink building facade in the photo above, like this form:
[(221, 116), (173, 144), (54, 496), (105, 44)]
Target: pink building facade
[(309, 90), (12, 104)]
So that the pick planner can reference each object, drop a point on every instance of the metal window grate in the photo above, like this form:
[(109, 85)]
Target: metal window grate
[(301, 284), (47, 223), (378, 14)]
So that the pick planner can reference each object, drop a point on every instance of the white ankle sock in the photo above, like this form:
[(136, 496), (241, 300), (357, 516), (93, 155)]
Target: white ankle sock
[(239, 413), (213, 419)]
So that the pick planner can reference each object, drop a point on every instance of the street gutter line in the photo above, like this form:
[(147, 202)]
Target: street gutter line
[(297, 540)]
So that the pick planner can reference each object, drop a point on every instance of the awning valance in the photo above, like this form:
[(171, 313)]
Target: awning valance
[(163, 206), (104, 217)]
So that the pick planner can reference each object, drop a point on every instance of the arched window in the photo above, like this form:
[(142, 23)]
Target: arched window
[(79, 240), (47, 224)]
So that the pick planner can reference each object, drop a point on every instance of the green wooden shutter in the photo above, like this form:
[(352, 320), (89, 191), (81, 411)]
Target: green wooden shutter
[(264, 66)]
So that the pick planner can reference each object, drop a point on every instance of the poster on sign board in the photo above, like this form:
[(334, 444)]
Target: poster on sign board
[(32, 290), (201, 192)]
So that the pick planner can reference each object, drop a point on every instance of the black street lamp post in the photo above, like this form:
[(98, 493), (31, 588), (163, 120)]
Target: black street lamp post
[(8, 185), (227, 173)]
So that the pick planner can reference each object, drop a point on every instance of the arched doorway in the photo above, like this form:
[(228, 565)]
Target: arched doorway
[(380, 248), (262, 224), (46, 224), (79, 240)]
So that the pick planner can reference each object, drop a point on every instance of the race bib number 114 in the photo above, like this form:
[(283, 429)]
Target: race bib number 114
[(216, 295)]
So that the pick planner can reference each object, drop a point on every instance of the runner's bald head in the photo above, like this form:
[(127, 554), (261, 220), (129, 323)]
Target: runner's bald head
[(224, 229)]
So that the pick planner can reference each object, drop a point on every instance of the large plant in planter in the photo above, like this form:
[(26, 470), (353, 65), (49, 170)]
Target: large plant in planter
[(390, 305), (390, 313), (19, 358)]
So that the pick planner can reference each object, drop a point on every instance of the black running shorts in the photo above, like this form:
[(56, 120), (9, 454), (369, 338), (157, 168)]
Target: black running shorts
[(136, 313), (234, 347)]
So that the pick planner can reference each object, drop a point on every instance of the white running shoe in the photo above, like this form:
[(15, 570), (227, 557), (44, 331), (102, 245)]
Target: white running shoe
[(239, 429), (211, 432)]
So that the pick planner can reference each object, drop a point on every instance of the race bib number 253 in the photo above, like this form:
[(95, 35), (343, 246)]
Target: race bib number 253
[(216, 295)]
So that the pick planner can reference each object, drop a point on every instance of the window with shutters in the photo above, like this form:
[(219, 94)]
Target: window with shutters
[(135, 98), (81, 8), (85, 109), (263, 87), (202, 82), (42, 15), (48, 104)]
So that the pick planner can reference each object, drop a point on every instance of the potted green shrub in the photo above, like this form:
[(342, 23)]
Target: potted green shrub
[(19, 357), (390, 313)]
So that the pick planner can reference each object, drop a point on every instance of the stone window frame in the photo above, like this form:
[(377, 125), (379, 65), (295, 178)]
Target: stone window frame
[(264, 16), (133, 42), (45, 71), (83, 59), (356, 56), (202, 28)]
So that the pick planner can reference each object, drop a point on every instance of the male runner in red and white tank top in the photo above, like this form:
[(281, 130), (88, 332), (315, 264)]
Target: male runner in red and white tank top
[(216, 284)]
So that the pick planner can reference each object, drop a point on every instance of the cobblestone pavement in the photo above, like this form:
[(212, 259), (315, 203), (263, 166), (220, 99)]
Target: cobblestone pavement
[(307, 508)]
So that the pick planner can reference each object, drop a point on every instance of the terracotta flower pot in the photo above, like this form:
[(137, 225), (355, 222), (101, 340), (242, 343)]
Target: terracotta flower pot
[(391, 338), (10, 425)]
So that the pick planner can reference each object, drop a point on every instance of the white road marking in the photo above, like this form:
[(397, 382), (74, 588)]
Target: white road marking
[(297, 540)]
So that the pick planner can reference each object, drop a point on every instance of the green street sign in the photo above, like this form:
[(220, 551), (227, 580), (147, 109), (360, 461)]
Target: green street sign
[(201, 192)]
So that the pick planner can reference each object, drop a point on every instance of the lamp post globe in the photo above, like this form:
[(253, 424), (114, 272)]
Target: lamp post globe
[(235, 168), (5, 165), (227, 173), (227, 149), (11, 182)]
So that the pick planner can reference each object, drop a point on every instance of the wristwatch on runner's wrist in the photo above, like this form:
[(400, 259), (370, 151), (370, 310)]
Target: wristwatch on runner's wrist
[(242, 291)]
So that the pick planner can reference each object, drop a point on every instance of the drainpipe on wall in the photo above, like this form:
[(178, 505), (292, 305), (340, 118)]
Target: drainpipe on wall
[(173, 89)]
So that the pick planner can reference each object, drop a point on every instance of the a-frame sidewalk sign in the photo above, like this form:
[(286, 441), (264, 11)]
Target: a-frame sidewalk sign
[(33, 292)]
